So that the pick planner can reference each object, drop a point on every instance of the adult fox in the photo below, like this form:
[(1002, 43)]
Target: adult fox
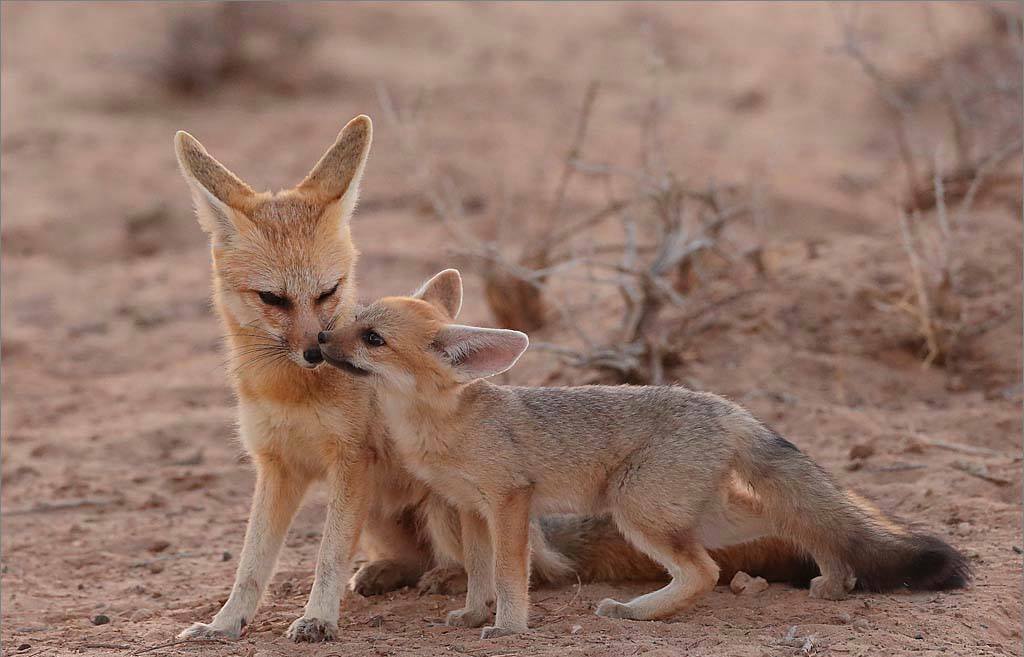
[(283, 271)]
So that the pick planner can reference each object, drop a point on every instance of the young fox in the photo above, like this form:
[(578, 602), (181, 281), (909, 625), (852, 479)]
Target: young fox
[(679, 471)]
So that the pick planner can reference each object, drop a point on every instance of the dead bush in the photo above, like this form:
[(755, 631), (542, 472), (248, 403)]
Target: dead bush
[(973, 153), (625, 262), (265, 43)]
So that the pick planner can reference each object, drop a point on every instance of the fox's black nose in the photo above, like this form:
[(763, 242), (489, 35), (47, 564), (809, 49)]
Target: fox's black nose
[(313, 355), (321, 337)]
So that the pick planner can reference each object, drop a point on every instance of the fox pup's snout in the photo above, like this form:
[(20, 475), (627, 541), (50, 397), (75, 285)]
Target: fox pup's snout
[(334, 352), (411, 342)]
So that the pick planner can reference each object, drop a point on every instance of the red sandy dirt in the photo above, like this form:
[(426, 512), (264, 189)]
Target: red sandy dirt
[(113, 390)]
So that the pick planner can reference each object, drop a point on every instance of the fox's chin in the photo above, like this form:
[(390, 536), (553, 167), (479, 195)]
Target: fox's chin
[(346, 366), (304, 364)]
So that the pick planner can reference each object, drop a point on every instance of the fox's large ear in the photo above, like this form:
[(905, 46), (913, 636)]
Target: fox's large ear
[(337, 175), (216, 192), (444, 292), (477, 353)]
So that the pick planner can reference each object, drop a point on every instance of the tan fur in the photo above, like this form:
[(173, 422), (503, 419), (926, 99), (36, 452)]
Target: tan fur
[(678, 471)]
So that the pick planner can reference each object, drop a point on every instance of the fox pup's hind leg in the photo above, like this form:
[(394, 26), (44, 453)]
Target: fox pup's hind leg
[(692, 569), (279, 490), (834, 583), (479, 561)]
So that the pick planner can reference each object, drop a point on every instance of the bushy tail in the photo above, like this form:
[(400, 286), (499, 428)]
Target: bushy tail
[(842, 531)]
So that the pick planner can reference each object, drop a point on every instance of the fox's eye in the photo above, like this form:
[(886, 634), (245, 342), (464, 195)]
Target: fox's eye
[(272, 299), (373, 339), (327, 295)]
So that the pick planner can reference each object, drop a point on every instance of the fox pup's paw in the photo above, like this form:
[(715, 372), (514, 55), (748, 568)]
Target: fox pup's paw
[(382, 576), (492, 632), (831, 588), (212, 631), (468, 617), (614, 609), (443, 580), (312, 630)]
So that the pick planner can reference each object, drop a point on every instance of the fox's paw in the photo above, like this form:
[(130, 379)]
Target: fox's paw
[(212, 631), (492, 632), (312, 630), (380, 577), (614, 609), (831, 588), (468, 617), (443, 580)]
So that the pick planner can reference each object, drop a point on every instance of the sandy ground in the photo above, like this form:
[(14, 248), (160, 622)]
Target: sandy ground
[(124, 491)]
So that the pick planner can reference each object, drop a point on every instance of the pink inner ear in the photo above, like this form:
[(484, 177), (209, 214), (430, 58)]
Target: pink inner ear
[(476, 353)]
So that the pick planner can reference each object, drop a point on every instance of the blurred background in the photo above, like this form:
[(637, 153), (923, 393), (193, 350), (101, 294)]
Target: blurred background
[(813, 208)]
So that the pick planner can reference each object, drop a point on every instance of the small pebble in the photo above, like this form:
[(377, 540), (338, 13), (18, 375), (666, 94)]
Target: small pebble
[(575, 629), (24, 646), (861, 451), (100, 619), (156, 568), (225, 556), (919, 636), (744, 584), (158, 546), (845, 618), (1016, 548)]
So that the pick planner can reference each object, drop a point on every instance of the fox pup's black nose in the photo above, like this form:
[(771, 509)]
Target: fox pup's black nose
[(321, 337), (313, 355)]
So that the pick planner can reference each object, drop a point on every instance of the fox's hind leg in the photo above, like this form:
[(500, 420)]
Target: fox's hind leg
[(397, 555), (692, 569)]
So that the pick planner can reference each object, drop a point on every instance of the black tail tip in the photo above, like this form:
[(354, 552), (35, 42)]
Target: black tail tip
[(918, 562), (937, 566)]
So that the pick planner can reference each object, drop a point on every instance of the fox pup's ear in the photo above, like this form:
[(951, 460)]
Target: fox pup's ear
[(444, 292), (477, 353), (216, 191), (336, 176)]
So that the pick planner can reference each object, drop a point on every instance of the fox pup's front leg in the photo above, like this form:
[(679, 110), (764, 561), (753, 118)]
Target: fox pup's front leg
[(279, 490), (478, 558), (510, 534), (346, 514)]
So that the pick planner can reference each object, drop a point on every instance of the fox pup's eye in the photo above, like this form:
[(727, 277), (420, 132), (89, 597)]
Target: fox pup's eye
[(327, 295), (272, 299), (373, 339)]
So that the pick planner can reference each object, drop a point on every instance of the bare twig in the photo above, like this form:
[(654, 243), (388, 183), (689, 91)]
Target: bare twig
[(980, 471), (176, 642), (47, 507), (957, 447)]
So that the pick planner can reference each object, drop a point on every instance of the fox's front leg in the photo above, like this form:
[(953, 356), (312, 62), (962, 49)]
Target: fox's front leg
[(279, 490), (478, 559), (510, 532), (346, 514)]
